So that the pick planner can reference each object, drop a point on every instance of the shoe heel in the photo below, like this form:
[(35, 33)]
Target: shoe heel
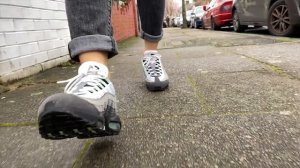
[(112, 120), (113, 125)]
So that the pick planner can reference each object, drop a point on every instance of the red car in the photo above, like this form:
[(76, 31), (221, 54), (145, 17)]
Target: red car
[(217, 14)]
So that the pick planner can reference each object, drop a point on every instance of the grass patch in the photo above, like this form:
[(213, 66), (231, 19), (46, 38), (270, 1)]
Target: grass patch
[(69, 63), (201, 97), (283, 40), (83, 152), (128, 42), (22, 124), (276, 69)]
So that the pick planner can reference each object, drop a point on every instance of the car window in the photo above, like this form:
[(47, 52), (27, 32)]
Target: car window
[(209, 5), (199, 10), (188, 13), (212, 4)]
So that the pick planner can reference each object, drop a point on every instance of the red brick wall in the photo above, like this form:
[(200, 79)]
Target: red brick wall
[(124, 21)]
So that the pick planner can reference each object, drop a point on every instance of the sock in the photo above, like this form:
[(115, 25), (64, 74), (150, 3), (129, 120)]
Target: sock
[(94, 67), (150, 52)]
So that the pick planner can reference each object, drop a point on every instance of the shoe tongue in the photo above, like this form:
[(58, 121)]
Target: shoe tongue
[(153, 60), (153, 55), (93, 68)]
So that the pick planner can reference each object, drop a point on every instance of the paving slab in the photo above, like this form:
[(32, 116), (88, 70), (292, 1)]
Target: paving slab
[(53, 75), (248, 92), (23, 147), (136, 101), (3, 89), (21, 105), (184, 61), (184, 38), (284, 55), (207, 141)]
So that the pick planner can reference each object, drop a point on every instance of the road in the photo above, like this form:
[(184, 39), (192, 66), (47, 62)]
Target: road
[(233, 101)]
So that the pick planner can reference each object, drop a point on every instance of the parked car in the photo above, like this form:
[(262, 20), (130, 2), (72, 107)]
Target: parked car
[(165, 24), (172, 22), (180, 20), (217, 14), (196, 17), (188, 18), (177, 22), (281, 16)]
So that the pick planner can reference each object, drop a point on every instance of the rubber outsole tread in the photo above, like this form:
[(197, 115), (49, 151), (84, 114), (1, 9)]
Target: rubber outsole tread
[(157, 88), (60, 125)]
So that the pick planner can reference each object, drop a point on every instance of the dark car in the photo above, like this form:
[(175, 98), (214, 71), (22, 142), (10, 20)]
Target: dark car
[(281, 16), (217, 14), (165, 24)]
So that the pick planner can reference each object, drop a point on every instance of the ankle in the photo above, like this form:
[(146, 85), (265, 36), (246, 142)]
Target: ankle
[(95, 56), (150, 45)]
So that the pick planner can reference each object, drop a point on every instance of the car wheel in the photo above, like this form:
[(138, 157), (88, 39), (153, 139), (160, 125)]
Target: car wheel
[(213, 25), (279, 22), (237, 27)]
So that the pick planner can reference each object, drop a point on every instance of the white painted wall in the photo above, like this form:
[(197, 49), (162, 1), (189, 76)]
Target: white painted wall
[(32, 32)]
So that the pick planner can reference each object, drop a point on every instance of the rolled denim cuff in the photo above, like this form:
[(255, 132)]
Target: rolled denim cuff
[(88, 43), (151, 38)]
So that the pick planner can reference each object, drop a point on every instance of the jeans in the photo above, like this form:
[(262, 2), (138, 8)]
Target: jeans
[(91, 28)]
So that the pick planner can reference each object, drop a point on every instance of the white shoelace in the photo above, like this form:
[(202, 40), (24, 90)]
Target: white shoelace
[(92, 84), (153, 65)]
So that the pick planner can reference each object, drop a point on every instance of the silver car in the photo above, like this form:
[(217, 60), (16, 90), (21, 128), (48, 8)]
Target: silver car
[(281, 16)]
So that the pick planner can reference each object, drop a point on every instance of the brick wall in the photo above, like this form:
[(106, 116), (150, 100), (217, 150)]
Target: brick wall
[(124, 21), (34, 35)]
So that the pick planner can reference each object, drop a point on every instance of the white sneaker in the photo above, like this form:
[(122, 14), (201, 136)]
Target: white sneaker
[(156, 77), (86, 109)]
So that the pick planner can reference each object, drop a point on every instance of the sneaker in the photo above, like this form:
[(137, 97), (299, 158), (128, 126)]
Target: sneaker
[(156, 77), (86, 109)]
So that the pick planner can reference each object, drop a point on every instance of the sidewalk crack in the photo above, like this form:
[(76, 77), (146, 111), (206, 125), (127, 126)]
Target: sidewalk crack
[(201, 115), (273, 68), (87, 145), (200, 96)]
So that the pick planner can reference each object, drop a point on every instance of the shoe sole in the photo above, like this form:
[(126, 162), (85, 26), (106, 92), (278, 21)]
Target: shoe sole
[(157, 86), (64, 116)]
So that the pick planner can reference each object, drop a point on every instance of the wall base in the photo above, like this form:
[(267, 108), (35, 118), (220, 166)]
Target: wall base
[(28, 71)]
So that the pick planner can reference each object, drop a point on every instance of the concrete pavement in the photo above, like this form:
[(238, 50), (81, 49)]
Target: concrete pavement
[(233, 101)]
